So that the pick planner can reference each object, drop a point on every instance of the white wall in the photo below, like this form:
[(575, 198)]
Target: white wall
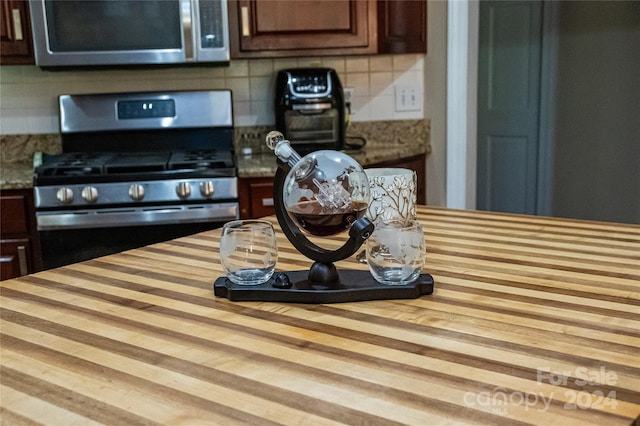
[(450, 102), (597, 120), (28, 95), (462, 82)]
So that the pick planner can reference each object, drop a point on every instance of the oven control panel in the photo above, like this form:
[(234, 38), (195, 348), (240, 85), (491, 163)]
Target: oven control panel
[(305, 83), (151, 108), (121, 193)]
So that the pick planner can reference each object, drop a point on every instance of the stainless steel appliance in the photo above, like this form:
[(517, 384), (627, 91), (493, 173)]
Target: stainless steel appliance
[(136, 168), (132, 32), (310, 108)]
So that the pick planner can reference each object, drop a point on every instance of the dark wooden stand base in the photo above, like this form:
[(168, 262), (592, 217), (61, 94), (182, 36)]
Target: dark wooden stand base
[(353, 286)]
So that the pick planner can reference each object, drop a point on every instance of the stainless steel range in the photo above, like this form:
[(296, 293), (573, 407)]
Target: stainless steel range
[(136, 168)]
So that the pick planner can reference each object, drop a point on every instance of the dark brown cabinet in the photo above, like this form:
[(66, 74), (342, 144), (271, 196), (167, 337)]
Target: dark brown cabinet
[(256, 194), (16, 46), (274, 28), (19, 243), (255, 197), (402, 26)]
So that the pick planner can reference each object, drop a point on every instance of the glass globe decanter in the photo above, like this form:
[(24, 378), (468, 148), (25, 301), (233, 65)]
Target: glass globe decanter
[(323, 193)]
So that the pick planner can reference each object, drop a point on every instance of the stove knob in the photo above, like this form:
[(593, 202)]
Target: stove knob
[(183, 189), (65, 195), (89, 194), (136, 192), (206, 189)]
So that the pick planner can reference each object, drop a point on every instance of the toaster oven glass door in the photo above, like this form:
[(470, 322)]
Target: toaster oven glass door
[(312, 125)]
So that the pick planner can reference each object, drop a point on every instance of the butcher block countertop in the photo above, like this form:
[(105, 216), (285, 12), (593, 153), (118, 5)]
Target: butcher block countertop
[(532, 321)]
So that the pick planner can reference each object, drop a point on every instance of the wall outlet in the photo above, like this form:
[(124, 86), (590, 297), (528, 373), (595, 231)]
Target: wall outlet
[(348, 94), (348, 101), (408, 98)]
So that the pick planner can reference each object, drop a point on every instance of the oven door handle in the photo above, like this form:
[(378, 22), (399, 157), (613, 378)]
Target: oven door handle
[(312, 108), (160, 215), (312, 111)]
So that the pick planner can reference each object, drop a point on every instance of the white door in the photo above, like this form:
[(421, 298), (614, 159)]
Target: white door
[(508, 105)]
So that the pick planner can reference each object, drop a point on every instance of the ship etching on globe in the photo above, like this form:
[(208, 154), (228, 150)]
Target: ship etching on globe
[(328, 207)]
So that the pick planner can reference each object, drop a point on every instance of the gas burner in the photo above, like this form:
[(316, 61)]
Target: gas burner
[(199, 155), (79, 159), (74, 159), (210, 159), (127, 163), (73, 164), (137, 162)]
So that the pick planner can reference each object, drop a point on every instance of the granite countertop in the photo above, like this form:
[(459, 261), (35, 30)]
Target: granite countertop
[(263, 164), (16, 157), (16, 175), (19, 175), (386, 140)]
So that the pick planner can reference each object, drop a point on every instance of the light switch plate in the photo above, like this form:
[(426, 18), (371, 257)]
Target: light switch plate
[(408, 98)]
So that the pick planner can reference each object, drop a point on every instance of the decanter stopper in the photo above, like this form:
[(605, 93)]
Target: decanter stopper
[(282, 148)]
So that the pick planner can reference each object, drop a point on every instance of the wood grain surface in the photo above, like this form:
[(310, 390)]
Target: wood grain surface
[(533, 321)]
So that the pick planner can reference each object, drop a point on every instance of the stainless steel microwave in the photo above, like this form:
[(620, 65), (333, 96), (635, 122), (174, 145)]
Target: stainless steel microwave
[(131, 32)]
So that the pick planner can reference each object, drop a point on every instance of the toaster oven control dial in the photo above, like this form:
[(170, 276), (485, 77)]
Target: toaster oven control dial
[(136, 192), (89, 194), (183, 189), (65, 195), (206, 189)]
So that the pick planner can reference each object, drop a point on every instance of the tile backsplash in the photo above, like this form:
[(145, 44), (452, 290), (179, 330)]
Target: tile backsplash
[(28, 95)]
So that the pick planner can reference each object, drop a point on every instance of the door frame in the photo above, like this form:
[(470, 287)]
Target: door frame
[(462, 89), (546, 131)]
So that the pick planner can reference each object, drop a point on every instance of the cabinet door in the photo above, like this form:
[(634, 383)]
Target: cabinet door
[(13, 214), (266, 28), (255, 197), (14, 258), (402, 26), (15, 33), (19, 242)]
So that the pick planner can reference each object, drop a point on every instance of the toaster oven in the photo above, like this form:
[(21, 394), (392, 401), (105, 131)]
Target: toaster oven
[(310, 108)]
